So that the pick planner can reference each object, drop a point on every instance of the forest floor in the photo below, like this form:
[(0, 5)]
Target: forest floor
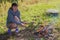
[(25, 35)]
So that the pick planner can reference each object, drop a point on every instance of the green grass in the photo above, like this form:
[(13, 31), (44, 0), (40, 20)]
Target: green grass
[(29, 11)]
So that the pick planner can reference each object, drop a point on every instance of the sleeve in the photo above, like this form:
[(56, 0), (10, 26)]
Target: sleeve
[(11, 18), (19, 15)]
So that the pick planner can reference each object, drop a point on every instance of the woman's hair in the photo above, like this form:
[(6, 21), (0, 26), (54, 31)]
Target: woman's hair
[(13, 4)]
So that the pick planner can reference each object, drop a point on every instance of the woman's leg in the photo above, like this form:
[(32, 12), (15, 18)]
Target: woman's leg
[(17, 30), (14, 26), (9, 31)]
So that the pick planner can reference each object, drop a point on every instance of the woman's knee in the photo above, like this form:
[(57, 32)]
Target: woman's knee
[(13, 25)]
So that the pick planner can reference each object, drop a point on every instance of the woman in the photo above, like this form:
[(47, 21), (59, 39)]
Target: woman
[(13, 18)]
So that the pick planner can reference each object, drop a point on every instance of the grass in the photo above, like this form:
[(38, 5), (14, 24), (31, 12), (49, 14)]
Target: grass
[(29, 11)]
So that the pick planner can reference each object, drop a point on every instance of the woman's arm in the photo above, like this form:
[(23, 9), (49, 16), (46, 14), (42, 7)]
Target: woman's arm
[(19, 16), (16, 18)]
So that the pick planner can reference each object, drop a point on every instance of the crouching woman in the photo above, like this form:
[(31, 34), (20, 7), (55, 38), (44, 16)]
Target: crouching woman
[(13, 18)]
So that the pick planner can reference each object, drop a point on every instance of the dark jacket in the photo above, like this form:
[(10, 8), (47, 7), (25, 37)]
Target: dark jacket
[(10, 17)]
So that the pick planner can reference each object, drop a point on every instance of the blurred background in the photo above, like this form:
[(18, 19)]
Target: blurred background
[(31, 10)]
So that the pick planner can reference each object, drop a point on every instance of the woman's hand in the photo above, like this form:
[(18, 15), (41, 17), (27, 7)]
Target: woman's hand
[(22, 24)]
